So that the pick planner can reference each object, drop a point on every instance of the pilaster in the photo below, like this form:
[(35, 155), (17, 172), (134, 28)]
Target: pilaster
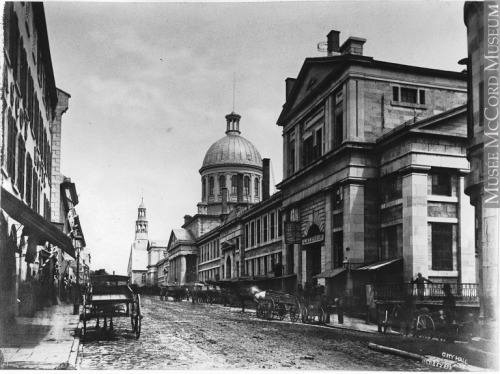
[(354, 222)]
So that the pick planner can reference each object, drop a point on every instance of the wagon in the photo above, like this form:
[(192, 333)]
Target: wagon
[(272, 304), (110, 296)]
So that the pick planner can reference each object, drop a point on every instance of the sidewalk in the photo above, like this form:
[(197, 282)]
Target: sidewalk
[(43, 342)]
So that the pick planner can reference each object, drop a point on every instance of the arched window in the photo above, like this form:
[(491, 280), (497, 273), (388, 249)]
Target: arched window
[(222, 183), (246, 186), (256, 187), (211, 181), (203, 189), (234, 185)]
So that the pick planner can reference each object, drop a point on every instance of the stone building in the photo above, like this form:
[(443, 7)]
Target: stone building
[(374, 165), (482, 21), (32, 107), (231, 181)]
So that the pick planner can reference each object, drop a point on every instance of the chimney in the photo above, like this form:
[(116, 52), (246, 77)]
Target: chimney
[(224, 200), (265, 178), (187, 218), (240, 187), (353, 46), (333, 41), (290, 82)]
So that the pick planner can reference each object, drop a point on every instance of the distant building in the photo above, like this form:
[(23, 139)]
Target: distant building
[(137, 269)]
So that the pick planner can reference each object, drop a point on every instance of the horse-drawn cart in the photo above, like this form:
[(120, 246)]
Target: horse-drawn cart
[(272, 304), (110, 296)]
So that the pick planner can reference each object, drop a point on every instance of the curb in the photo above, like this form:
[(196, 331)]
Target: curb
[(73, 355), (437, 362)]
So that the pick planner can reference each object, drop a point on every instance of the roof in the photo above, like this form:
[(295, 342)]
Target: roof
[(183, 235), (380, 264), (330, 273), (158, 243), (232, 149)]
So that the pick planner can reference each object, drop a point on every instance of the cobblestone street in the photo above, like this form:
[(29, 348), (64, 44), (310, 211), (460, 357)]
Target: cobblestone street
[(182, 335)]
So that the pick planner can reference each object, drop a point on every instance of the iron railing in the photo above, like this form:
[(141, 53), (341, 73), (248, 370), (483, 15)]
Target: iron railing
[(463, 292)]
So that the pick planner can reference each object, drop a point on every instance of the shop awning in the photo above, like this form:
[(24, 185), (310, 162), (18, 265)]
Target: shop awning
[(34, 224), (330, 273), (380, 264)]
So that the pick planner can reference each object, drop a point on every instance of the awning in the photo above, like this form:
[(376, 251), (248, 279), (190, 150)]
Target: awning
[(34, 224), (330, 273), (379, 264)]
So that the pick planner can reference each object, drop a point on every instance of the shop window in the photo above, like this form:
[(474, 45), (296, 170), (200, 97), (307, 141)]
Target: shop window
[(442, 246)]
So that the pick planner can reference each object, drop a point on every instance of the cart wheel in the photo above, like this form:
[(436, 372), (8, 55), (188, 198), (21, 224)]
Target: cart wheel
[(138, 318), (294, 313), (281, 312), (132, 316), (259, 311), (424, 327), (270, 309)]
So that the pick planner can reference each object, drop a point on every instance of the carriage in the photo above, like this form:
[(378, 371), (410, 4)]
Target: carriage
[(108, 297), (177, 293), (274, 304), (424, 315)]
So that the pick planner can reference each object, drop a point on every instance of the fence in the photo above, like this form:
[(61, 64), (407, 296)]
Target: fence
[(463, 292)]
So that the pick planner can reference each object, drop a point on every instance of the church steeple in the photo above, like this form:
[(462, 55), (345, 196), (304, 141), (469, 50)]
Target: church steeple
[(141, 225)]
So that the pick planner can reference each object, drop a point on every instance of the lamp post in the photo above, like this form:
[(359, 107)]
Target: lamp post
[(76, 305)]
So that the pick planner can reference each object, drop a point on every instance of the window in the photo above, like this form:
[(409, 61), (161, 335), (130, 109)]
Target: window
[(391, 186), (258, 231), (408, 95), (442, 246), (307, 151), (256, 187), (246, 186), (211, 182), (143, 278), (20, 165), (338, 130), (222, 183), (273, 225), (29, 179), (252, 233), (246, 235), (234, 185), (441, 184), (11, 150), (203, 189), (264, 228), (280, 225), (339, 197), (318, 148), (291, 158)]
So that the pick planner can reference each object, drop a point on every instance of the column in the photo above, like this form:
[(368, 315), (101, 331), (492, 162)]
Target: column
[(466, 224), (182, 278), (354, 223), (415, 240)]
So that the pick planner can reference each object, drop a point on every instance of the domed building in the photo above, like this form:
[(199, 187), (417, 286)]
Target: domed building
[(231, 172)]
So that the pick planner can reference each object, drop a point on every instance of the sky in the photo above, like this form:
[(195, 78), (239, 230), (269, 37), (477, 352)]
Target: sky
[(151, 83)]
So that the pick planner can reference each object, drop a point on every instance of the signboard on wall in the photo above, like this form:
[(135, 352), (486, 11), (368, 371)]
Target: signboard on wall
[(293, 233)]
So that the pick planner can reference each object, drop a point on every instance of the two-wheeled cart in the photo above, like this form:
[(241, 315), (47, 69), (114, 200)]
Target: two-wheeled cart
[(108, 297), (274, 304)]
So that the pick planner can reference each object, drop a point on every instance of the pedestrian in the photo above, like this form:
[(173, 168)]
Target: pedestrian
[(420, 281), (339, 303), (449, 310)]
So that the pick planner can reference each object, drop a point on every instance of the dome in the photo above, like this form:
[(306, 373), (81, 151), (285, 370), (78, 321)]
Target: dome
[(232, 149)]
